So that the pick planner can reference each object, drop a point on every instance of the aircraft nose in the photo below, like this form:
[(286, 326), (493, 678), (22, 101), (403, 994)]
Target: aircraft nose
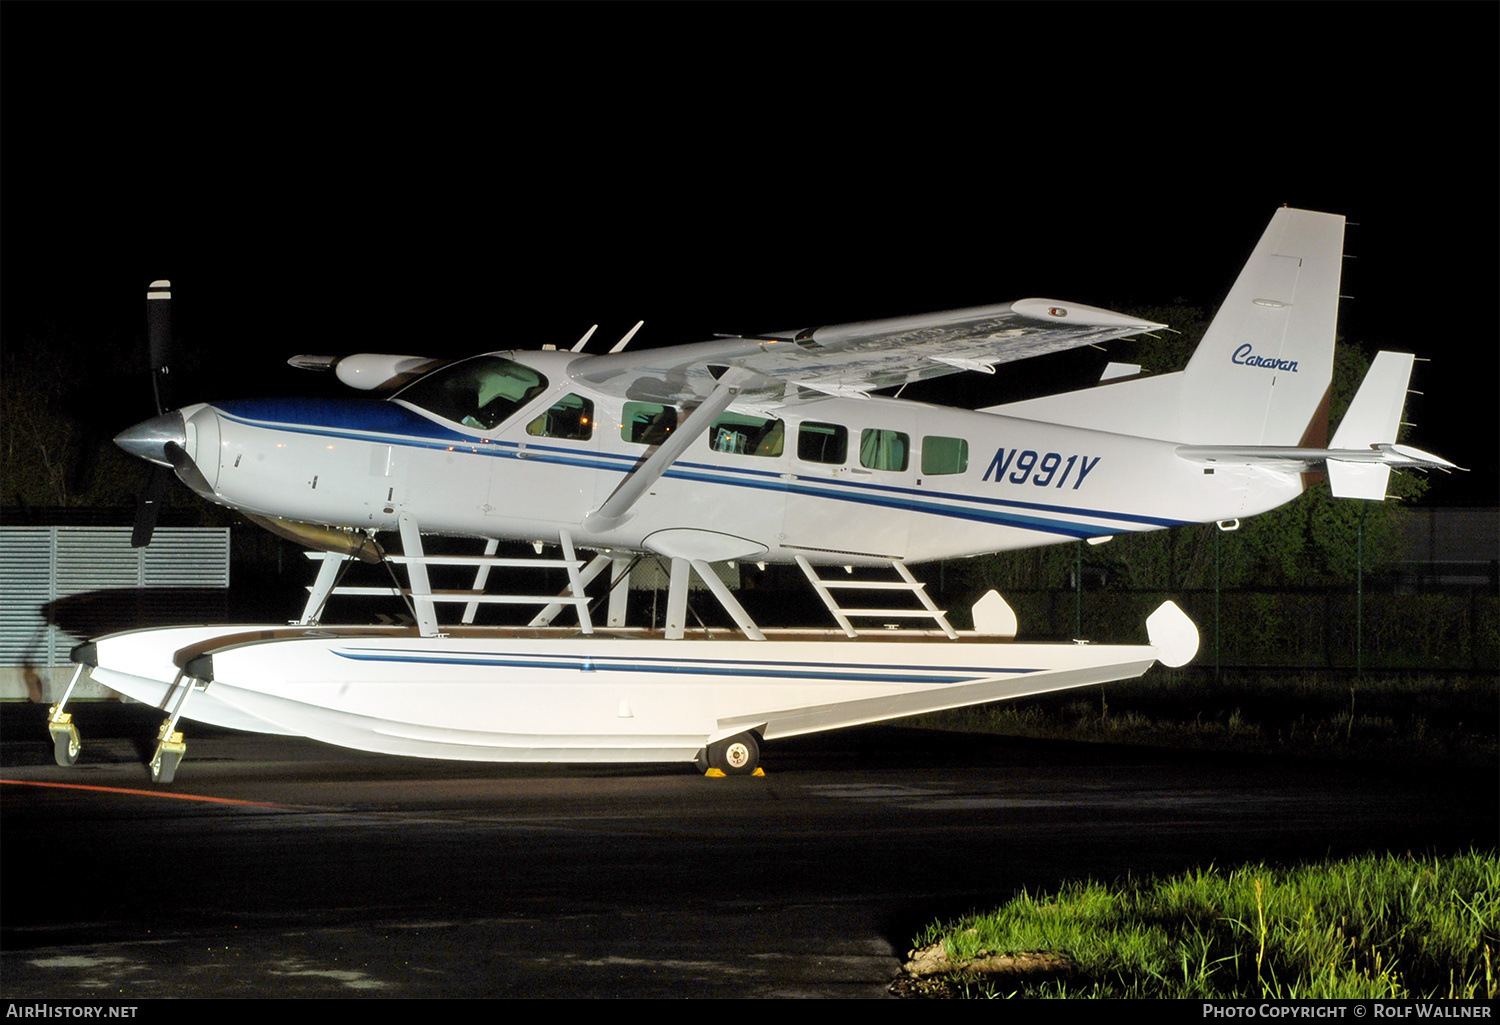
[(148, 440)]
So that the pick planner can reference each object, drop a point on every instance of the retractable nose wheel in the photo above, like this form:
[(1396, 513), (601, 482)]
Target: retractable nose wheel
[(65, 743), (168, 756), (164, 765)]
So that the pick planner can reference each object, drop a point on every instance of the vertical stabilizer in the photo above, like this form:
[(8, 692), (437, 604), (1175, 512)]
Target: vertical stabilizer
[(1262, 371)]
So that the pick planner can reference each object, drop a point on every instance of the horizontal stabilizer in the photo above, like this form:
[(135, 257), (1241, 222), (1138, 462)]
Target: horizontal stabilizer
[(1288, 457), (1363, 450), (1352, 472), (1356, 473), (1358, 480)]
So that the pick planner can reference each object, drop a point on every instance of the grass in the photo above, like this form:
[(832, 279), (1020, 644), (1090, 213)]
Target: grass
[(1381, 926), (1446, 721)]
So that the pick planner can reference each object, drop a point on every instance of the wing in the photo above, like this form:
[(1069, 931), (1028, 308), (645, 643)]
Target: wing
[(854, 359)]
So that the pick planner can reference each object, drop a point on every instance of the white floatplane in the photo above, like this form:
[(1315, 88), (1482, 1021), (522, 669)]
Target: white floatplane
[(767, 449)]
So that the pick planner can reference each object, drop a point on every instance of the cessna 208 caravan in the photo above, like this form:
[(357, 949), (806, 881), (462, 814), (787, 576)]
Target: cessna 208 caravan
[(770, 449)]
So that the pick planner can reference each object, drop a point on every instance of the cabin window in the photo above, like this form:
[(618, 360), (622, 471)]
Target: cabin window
[(570, 418), (822, 443), (944, 455), (646, 423), (481, 392), (745, 435), (883, 450)]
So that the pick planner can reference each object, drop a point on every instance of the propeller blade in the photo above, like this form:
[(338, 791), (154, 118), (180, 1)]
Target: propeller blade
[(187, 470), (159, 339), (150, 505), (159, 352)]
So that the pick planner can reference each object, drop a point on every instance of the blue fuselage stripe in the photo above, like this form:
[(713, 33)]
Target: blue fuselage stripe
[(357, 420)]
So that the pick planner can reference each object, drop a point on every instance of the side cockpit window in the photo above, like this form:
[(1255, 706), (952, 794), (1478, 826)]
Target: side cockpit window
[(944, 455), (883, 450), (647, 423), (570, 418), (481, 392), (746, 435), (822, 443)]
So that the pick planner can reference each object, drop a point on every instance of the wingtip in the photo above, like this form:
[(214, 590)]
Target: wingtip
[(1054, 311)]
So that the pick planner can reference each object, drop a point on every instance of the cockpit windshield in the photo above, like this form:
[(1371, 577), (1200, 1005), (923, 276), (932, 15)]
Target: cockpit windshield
[(480, 392)]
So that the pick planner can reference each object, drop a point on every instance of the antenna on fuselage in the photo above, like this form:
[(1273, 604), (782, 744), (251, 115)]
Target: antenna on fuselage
[(584, 340), (628, 336)]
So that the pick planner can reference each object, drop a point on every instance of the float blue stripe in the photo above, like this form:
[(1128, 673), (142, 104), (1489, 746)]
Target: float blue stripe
[(983, 670), (594, 665)]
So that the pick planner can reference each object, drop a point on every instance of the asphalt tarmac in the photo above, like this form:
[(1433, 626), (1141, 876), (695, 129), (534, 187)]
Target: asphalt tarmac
[(285, 868)]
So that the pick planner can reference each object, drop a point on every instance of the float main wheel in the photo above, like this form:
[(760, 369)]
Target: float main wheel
[(737, 756)]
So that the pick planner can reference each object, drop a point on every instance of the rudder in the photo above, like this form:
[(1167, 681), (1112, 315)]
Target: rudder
[(1262, 372)]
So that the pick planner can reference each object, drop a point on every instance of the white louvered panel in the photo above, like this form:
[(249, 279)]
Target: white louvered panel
[(25, 588), (62, 644), (93, 558), (187, 557), (42, 565)]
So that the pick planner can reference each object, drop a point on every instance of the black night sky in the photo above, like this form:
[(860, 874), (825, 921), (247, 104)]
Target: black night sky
[(447, 179)]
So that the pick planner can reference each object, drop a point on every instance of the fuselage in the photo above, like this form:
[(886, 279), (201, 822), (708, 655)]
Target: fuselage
[(836, 480)]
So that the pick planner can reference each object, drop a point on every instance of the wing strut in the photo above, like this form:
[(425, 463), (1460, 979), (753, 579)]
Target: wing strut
[(616, 507)]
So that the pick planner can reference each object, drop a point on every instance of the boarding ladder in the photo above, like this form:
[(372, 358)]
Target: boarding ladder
[(825, 587)]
